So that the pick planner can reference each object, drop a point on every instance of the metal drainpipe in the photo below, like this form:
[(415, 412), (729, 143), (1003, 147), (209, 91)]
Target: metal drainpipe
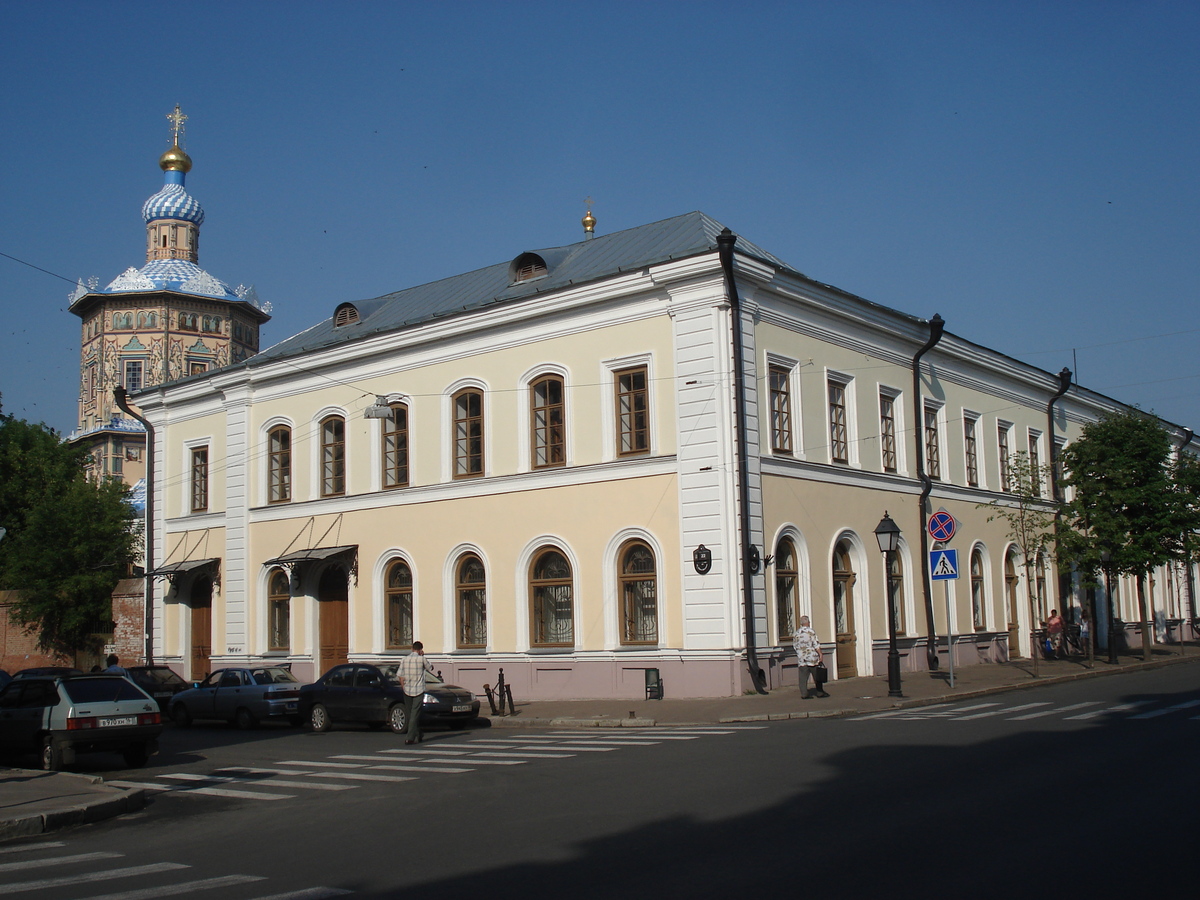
[(725, 241), (122, 399), (1191, 587), (936, 325), (1064, 385)]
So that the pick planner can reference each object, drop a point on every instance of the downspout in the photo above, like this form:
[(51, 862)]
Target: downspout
[(725, 241), (122, 399), (1191, 587), (936, 324), (1064, 385)]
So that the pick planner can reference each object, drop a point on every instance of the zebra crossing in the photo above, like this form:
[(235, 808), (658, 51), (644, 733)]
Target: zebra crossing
[(292, 778), (49, 865), (1070, 712)]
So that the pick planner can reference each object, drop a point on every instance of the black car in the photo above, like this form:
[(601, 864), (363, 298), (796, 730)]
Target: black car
[(48, 672), (357, 692), (60, 717), (160, 682)]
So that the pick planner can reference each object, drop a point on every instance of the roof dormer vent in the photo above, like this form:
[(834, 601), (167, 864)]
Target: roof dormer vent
[(527, 267), (345, 314)]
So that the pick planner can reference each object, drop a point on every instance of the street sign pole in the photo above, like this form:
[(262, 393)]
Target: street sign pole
[(949, 631)]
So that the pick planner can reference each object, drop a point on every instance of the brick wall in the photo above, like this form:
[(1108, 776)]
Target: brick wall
[(129, 614), (18, 645)]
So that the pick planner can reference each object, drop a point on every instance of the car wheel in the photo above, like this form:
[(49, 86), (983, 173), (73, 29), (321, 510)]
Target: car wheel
[(180, 716), (136, 755), (52, 755), (397, 720), (318, 718), (244, 719)]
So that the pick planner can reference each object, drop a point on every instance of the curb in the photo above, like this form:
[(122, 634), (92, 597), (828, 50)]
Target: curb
[(110, 802)]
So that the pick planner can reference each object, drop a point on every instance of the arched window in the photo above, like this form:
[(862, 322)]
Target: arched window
[(279, 610), (399, 605), (787, 574), (546, 406), (470, 589), (394, 449), (843, 610), (978, 616), (550, 592), (468, 433), (333, 456), (279, 464), (896, 587), (639, 594)]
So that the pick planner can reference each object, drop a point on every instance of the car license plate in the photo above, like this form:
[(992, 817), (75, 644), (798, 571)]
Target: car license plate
[(464, 707), (117, 720)]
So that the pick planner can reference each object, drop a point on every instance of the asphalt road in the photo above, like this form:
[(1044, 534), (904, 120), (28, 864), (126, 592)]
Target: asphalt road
[(1080, 789)]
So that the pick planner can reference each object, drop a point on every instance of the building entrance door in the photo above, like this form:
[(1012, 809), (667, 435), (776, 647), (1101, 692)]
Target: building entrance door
[(1010, 591), (201, 605), (333, 610), (843, 612)]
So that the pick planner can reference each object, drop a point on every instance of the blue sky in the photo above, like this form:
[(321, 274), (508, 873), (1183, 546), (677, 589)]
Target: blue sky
[(1027, 170)]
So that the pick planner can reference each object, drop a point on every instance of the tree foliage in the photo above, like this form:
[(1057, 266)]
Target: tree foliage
[(69, 539), (1025, 508)]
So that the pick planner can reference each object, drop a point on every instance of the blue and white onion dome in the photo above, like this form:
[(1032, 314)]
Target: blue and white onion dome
[(173, 201)]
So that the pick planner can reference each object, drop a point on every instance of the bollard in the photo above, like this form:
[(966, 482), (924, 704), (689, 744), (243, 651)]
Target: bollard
[(491, 697)]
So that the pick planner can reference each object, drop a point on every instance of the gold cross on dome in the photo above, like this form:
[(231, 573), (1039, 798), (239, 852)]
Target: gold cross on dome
[(176, 119)]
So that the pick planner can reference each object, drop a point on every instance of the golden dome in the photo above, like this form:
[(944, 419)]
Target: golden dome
[(589, 222), (175, 160)]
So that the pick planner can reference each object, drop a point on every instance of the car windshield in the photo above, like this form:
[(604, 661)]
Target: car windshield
[(156, 676), (101, 690), (273, 676), (392, 673)]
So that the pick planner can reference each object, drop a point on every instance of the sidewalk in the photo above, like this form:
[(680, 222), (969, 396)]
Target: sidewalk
[(33, 802)]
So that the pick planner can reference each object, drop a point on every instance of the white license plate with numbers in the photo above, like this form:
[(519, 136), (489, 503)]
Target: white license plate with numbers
[(109, 721), (464, 707)]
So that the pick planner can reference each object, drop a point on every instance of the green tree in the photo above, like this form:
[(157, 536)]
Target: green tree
[(1185, 476), (1125, 513), (1031, 519), (68, 539)]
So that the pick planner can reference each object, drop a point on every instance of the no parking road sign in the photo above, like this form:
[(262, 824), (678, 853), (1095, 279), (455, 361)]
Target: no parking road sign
[(943, 565), (942, 526)]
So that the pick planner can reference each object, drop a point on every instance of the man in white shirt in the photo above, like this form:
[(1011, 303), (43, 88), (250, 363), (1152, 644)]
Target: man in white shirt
[(412, 678)]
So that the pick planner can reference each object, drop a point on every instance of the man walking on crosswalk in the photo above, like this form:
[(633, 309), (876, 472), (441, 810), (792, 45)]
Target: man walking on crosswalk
[(412, 678)]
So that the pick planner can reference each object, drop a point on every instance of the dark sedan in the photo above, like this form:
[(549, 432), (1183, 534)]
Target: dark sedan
[(160, 682), (357, 692)]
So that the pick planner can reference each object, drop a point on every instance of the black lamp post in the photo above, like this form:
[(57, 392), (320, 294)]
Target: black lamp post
[(1105, 559), (887, 533)]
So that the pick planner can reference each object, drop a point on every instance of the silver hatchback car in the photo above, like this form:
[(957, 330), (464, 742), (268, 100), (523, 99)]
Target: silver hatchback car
[(240, 696)]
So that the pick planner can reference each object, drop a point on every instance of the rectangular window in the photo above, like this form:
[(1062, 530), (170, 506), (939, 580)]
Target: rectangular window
[(633, 411), (887, 431), (933, 450), (1002, 439), (839, 442), (1035, 464), (333, 457), (395, 447), (133, 375), (468, 434), (200, 479), (781, 410), (279, 464), (971, 448), (546, 419), (118, 458)]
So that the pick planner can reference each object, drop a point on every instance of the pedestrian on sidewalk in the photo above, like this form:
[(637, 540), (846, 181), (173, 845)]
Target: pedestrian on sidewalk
[(412, 678), (1054, 630), (808, 658), (114, 666)]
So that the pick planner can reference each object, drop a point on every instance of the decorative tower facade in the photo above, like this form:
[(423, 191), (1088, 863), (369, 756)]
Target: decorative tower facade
[(165, 321)]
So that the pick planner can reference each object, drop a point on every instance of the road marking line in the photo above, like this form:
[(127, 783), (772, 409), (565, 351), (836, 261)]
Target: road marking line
[(1001, 711), (1055, 710), (56, 861), (476, 762), (446, 770), (27, 847), (436, 751), (279, 782), (541, 748), (1170, 709), (898, 712), (522, 753), (148, 785), (183, 887), (361, 776), (221, 792), (317, 893), (320, 763), (108, 875), (1120, 707), (658, 737)]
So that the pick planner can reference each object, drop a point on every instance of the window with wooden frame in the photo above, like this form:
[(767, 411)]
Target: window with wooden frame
[(978, 617), (550, 593), (896, 588), (933, 443), (546, 422), (971, 449), (199, 479), (781, 409), (633, 411), (393, 449), (839, 438), (1035, 464), (638, 579), (470, 588), (279, 611), (398, 596), (1002, 431), (279, 464), (887, 432), (468, 433), (787, 576), (333, 456)]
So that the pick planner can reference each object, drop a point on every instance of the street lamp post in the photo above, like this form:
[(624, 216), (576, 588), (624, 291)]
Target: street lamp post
[(887, 533), (1105, 558)]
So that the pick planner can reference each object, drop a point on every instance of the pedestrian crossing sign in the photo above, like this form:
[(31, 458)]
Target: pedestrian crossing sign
[(943, 564)]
